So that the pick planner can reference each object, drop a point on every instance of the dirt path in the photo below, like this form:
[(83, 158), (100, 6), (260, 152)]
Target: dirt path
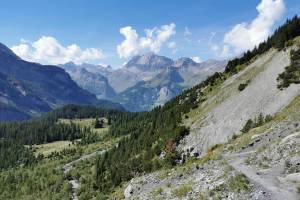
[(268, 182), (69, 166)]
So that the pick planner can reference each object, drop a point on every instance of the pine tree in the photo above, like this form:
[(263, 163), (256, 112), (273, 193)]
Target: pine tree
[(249, 124), (98, 123), (260, 120)]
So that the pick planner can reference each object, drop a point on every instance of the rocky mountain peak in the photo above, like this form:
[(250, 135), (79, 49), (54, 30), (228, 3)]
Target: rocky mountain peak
[(184, 61), (149, 62)]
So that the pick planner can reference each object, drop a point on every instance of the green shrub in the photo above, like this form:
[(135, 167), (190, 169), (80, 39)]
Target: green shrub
[(157, 192), (291, 74), (261, 120), (182, 191), (242, 86), (298, 188), (249, 125), (239, 183)]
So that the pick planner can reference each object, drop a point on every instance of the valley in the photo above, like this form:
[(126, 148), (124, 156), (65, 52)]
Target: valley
[(176, 130)]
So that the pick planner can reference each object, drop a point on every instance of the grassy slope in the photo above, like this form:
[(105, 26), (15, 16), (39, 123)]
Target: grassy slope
[(49, 148), (87, 123)]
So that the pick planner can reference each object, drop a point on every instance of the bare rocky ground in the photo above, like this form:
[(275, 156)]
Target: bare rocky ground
[(261, 164), (266, 167), (273, 163)]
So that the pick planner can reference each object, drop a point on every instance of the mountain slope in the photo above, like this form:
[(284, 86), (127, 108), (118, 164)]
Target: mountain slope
[(147, 94), (228, 109), (133, 82), (149, 62), (168, 83), (94, 83), (193, 73), (32, 88)]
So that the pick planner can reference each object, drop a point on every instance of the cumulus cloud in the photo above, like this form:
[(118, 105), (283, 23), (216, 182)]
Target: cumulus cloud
[(153, 41), (196, 59), (245, 36), (48, 50)]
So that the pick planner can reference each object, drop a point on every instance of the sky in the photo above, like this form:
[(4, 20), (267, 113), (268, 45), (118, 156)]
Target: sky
[(110, 32)]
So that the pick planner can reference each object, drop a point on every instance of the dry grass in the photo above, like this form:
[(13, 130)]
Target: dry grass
[(57, 146)]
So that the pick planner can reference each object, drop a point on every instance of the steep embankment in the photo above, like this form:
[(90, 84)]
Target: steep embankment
[(227, 109), (262, 163)]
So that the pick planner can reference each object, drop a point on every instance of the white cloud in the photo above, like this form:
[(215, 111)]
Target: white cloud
[(196, 59), (225, 53), (153, 41), (245, 36), (214, 47), (48, 50), (24, 40)]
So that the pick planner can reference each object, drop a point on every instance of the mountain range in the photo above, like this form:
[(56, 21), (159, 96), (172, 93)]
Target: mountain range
[(145, 81), (28, 89)]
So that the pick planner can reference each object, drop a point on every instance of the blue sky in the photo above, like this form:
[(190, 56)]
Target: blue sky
[(94, 26)]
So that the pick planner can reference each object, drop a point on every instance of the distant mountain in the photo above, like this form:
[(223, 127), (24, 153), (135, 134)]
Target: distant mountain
[(72, 67), (28, 89), (144, 81), (193, 73), (95, 83), (147, 94), (149, 62), (139, 68)]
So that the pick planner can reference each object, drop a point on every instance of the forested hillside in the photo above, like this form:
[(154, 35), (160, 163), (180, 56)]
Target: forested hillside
[(14, 135)]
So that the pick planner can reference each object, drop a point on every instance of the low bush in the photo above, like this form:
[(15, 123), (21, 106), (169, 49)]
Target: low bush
[(182, 191)]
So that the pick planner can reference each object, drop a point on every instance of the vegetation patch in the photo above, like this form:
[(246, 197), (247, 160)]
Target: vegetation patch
[(157, 192), (182, 191), (242, 86), (298, 188), (238, 183), (257, 122), (48, 148), (41, 181), (291, 75)]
